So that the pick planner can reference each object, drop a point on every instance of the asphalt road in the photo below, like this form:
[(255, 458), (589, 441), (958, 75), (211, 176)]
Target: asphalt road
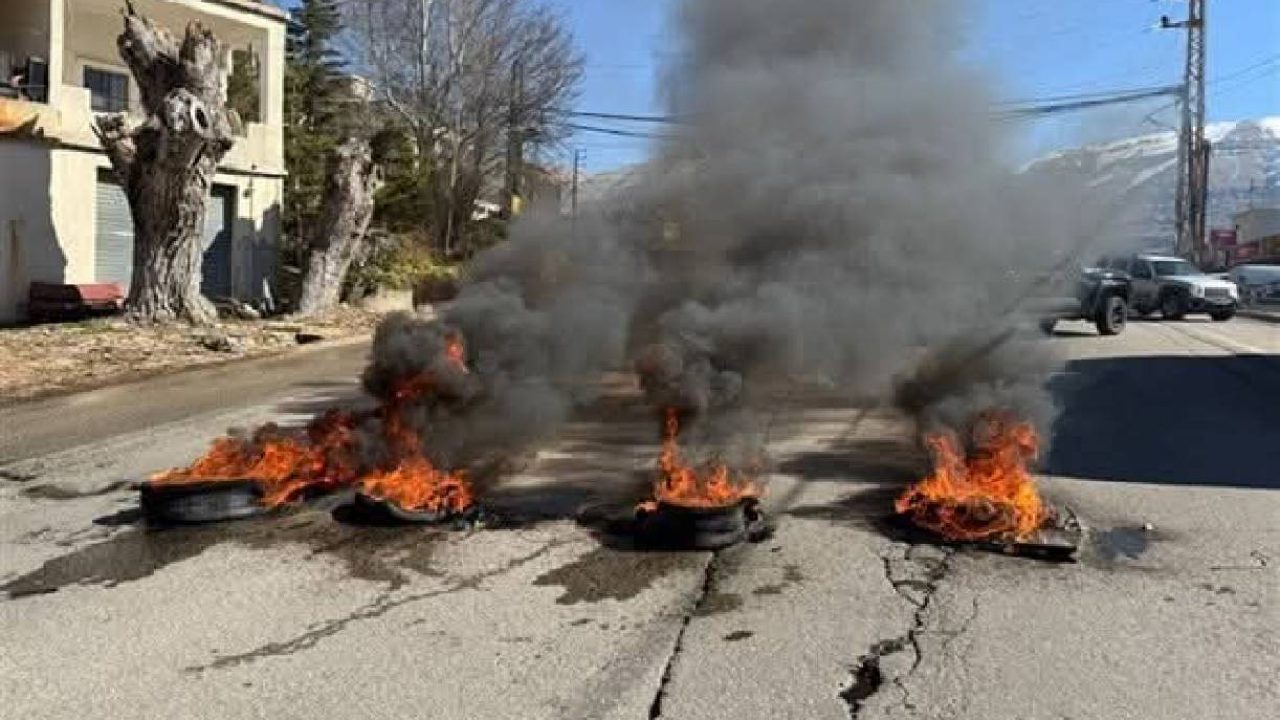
[(1168, 448)]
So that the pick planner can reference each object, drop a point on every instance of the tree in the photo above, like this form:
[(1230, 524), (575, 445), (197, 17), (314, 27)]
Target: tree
[(353, 178), (470, 80), (167, 162), (242, 85), (315, 109)]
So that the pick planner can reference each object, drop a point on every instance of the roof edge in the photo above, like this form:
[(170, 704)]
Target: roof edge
[(262, 9)]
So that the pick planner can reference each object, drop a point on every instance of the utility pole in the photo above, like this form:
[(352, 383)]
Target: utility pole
[(577, 165), (515, 141), (1193, 150)]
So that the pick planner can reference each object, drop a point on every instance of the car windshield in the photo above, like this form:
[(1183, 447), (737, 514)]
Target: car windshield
[(1165, 268)]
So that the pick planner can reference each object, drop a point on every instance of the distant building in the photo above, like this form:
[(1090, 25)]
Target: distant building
[(63, 217), (1257, 234)]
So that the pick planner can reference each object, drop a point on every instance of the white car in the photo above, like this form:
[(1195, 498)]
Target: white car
[(1176, 288), (1257, 283)]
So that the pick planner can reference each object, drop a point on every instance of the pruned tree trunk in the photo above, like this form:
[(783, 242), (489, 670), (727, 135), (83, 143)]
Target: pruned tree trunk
[(167, 163), (353, 178)]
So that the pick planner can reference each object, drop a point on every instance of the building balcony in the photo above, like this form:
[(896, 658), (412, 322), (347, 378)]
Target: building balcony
[(259, 147), (57, 49)]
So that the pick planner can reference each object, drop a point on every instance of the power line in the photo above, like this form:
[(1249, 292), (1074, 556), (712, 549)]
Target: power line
[(663, 119), (1059, 103), (1157, 89), (1216, 87), (1261, 63), (619, 133), (1054, 108)]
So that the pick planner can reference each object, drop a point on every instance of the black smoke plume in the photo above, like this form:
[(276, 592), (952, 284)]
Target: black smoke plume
[(834, 204)]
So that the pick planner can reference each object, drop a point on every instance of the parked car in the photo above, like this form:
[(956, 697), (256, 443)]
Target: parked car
[(1099, 295), (1258, 283), (1175, 288)]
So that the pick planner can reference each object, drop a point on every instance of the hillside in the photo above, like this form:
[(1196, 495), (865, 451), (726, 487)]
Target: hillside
[(1245, 168)]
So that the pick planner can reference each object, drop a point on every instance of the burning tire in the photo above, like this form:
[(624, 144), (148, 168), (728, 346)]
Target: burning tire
[(672, 526), (385, 512), (201, 502)]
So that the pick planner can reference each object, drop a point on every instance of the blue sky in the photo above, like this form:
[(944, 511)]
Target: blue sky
[(1030, 48)]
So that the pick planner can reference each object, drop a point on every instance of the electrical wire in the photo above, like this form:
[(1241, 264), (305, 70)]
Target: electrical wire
[(663, 119), (614, 131)]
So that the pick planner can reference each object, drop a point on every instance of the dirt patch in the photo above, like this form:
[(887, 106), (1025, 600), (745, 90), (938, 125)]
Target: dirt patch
[(54, 359)]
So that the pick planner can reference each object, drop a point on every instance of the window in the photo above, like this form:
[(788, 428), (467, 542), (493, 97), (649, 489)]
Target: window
[(1171, 268), (110, 90), (1141, 270)]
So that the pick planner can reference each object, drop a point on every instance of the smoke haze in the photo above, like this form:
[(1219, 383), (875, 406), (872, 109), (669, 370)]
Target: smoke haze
[(833, 207)]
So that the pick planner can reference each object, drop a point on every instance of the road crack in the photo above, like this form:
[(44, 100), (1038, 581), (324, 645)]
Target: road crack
[(705, 590), (383, 604), (916, 578)]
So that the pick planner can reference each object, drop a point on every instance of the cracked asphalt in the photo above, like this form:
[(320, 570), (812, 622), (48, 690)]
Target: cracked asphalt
[(1168, 449)]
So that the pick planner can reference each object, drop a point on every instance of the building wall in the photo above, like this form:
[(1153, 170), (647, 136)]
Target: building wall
[(48, 182), (89, 39), (1256, 224), (48, 223), (29, 250)]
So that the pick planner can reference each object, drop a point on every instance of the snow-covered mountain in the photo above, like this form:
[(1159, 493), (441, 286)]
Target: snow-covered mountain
[(1244, 169)]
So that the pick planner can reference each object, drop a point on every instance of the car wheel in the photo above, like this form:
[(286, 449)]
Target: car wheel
[(1112, 317), (1171, 307), (1223, 315), (1047, 326)]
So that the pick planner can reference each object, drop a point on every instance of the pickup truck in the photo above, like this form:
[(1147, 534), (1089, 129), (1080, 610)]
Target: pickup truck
[(1176, 288), (1096, 294)]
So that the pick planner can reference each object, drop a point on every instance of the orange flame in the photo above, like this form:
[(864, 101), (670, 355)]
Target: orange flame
[(412, 481), (988, 495), (287, 464), (711, 484)]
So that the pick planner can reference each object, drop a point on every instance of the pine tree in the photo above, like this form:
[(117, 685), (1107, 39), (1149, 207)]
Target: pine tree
[(315, 105)]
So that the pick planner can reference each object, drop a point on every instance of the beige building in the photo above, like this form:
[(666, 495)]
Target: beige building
[(1258, 234), (63, 218)]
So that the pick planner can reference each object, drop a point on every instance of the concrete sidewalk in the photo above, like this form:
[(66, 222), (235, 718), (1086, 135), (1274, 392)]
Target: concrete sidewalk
[(1266, 313)]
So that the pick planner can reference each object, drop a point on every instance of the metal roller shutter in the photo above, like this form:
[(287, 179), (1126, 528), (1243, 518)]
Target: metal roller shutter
[(113, 259)]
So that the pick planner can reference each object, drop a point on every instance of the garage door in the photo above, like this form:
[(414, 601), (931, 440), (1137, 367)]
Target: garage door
[(113, 259), (215, 270)]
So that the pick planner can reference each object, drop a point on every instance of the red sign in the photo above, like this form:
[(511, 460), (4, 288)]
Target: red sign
[(1222, 238)]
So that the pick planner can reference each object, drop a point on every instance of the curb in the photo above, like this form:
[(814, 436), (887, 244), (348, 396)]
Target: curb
[(1263, 315), (293, 350)]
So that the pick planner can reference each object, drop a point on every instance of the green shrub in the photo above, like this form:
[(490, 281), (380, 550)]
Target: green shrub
[(400, 263)]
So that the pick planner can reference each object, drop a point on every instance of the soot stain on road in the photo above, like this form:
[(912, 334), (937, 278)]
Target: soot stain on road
[(59, 492), (376, 554), (791, 575), (607, 574), (717, 603), (1112, 547)]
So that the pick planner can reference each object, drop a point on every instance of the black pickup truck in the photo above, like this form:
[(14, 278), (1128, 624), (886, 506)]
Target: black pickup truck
[(1098, 295)]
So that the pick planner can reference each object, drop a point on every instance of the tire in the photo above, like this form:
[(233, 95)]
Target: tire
[(1113, 316), (708, 540), (674, 527), (1223, 315), (199, 503), (1047, 325), (1172, 307)]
